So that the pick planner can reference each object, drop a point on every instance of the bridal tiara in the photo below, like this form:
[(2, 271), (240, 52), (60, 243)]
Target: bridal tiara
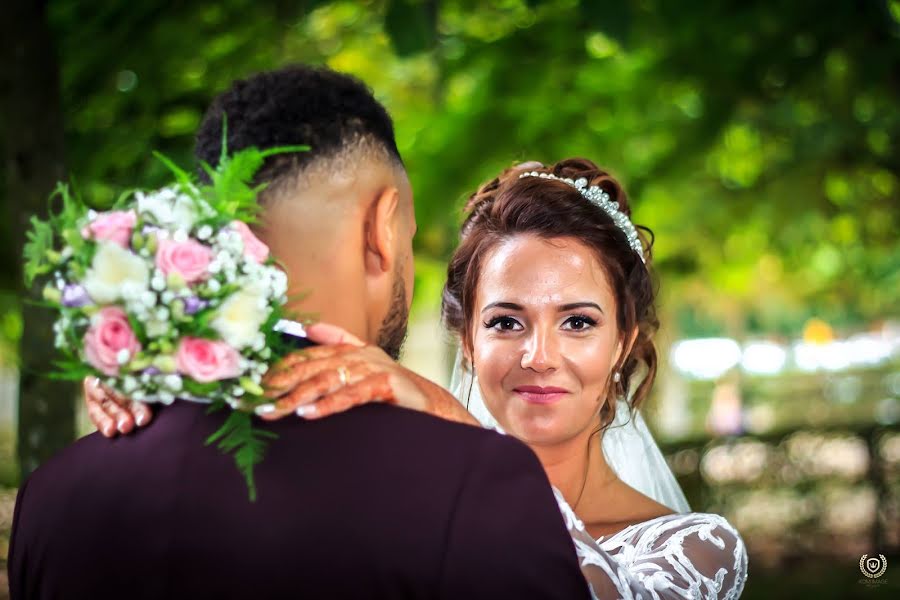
[(596, 196)]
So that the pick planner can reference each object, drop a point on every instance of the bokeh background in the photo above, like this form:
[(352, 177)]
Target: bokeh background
[(760, 141)]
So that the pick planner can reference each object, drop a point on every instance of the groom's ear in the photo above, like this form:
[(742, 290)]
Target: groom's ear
[(381, 231)]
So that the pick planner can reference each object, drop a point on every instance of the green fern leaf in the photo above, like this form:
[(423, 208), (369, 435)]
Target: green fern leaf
[(248, 444), (38, 250)]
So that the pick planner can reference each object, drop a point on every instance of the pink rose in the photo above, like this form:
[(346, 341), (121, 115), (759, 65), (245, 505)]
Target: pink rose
[(254, 249), (115, 226), (207, 360), (190, 259), (108, 339)]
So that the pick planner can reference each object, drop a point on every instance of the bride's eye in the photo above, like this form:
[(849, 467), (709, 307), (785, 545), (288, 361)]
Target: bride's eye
[(503, 324), (579, 323)]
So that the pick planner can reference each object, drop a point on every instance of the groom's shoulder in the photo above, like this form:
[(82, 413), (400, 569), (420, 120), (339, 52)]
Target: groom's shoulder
[(423, 435)]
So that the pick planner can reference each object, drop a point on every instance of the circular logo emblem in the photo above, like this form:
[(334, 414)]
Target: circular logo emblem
[(873, 568)]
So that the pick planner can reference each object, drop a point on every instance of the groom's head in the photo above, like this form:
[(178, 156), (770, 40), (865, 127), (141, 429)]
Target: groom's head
[(340, 216)]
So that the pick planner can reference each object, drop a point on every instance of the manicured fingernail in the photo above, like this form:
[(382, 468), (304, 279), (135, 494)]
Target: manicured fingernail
[(264, 409), (120, 423), (307, 410), (141, 418)]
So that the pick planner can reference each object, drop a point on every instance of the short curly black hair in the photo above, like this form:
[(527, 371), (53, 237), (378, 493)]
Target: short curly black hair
[(331, 112)]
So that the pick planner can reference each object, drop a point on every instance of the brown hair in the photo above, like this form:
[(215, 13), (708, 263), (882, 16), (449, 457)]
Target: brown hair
[(510, 205)]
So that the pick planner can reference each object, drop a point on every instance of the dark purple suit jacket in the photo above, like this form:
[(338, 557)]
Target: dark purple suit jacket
[(377, 502)]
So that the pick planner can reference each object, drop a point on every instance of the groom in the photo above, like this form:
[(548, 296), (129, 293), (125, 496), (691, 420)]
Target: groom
[(376, 502)]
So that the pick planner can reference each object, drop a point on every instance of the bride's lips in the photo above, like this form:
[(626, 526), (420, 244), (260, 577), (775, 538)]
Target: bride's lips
[(535, 394)]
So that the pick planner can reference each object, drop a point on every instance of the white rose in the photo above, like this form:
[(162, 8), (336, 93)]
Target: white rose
[(114, 268), (239, 318)]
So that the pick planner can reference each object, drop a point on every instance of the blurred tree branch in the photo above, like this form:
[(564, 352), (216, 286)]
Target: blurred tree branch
[(33, 161)]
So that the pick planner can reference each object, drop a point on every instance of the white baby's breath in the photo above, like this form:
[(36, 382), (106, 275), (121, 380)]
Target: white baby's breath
[(129, 384), (123, 356), (173, 382), (168, 207), (148, 299), (158, 282)]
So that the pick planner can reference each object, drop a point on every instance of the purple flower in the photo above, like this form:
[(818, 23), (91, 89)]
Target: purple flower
[(193, 304), (151, 371), (75, 296)]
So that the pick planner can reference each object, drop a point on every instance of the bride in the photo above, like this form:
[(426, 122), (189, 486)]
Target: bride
[(551, 298)]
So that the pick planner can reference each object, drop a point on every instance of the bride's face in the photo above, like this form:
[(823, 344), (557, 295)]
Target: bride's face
[(544, 338)]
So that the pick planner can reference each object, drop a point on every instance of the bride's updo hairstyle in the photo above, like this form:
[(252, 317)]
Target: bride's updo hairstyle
[(512, 205)]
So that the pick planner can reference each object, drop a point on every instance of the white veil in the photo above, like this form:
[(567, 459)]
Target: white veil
[(628, 445)]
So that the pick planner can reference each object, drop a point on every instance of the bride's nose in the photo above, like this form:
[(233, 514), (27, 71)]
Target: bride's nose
[(541, 352)]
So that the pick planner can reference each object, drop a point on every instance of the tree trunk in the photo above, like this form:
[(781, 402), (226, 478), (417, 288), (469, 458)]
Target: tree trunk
[(30, 103)]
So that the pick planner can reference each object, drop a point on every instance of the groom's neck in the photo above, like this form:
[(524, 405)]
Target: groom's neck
[(316, 233)]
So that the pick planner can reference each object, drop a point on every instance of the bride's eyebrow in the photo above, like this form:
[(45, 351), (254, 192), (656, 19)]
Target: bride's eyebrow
[(576, 305), (506, 305)]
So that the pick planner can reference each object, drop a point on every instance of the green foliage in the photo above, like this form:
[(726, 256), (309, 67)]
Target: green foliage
[(38, 249), (40, 252), (232, 179), (762, 150), (238, 436)]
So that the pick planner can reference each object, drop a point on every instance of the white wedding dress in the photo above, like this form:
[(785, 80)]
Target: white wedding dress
[(693, 555), (685, 555)]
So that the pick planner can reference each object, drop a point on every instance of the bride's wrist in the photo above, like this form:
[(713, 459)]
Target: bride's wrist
[(443, 404)]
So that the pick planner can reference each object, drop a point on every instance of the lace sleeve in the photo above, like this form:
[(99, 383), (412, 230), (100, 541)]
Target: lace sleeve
[(694, 555)]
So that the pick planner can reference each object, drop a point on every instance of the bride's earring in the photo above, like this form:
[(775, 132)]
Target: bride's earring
[(617, 377)]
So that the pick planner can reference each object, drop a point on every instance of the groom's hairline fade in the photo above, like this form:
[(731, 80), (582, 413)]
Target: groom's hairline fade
[(333, 113)]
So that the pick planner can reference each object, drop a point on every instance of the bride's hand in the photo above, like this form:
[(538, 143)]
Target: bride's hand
[(343, 372), (111, 413)]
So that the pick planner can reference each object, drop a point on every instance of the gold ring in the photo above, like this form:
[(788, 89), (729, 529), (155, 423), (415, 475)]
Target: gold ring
[(342, 375)]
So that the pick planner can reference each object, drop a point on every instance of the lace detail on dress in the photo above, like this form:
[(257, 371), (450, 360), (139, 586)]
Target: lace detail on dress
[(679, 556)]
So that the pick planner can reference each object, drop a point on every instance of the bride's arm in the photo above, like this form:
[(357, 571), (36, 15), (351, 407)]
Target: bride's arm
[(340, 373), (690, 556), (343, 372)]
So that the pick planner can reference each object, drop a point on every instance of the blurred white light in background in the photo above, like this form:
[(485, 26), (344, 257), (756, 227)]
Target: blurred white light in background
[(763, 358), (706, 358), (835, 356), (806, 356), (760, 418), (742, 461), (869, 349), (861, 350)]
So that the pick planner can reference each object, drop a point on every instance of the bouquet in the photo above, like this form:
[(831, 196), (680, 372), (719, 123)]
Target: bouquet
[(169, 294)]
